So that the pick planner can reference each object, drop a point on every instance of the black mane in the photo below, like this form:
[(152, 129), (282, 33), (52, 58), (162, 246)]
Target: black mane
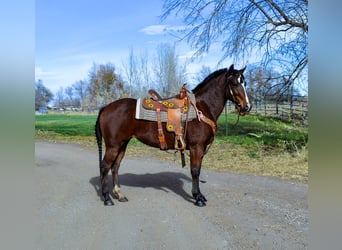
[(209, 78)]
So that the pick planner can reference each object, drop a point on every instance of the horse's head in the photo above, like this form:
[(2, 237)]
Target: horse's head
[(237, 90)]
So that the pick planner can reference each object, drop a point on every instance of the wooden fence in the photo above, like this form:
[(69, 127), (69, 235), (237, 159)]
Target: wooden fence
[(294, 109)]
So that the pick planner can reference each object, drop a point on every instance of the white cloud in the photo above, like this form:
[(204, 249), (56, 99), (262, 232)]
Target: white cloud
[(154, 29), (187, 55), (161, 29), (40, 73)]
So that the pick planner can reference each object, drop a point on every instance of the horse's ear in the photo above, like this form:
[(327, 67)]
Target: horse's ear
[(243, 70), (231, 69)]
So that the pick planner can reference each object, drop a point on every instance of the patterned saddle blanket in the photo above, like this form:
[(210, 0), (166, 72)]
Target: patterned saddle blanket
[(142, 113)]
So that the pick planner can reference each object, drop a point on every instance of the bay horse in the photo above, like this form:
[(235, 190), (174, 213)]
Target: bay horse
[(116, 124)]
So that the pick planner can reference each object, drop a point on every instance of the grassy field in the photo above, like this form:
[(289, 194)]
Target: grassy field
[(257, 145)]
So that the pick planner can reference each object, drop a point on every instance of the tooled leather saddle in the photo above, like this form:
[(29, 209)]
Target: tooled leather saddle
[(174, 106)]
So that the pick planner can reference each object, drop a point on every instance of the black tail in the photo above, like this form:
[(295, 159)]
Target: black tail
[(98, 135)]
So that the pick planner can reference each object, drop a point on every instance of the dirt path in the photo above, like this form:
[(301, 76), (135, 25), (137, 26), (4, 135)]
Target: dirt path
[(242, 212)]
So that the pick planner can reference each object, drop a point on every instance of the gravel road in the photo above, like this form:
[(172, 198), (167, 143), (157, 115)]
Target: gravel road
[(242, 212)]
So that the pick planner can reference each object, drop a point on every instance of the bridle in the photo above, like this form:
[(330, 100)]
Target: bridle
[(232, 94), (234, 101)]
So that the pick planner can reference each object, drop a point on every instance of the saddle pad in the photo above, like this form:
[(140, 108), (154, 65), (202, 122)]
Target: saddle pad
[(151, 115)]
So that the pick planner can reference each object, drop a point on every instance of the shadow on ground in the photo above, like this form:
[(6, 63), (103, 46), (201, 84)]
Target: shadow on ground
[(164, 181)]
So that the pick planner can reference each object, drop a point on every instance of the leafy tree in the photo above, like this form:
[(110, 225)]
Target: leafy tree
[(276, 29), (105, 85), (42, 95)]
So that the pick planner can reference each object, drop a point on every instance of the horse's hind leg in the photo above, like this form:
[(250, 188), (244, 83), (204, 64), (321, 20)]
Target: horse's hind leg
[(115, 173), (106, 164)]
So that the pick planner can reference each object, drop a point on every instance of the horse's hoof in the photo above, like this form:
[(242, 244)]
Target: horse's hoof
[(199, 197), (200, 203), (108, 202), (123, 199)]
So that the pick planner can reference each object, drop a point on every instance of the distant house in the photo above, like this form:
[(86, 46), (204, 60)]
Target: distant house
[(42, 110)]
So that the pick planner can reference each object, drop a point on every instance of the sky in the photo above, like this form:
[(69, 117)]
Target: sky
[(72, 35)]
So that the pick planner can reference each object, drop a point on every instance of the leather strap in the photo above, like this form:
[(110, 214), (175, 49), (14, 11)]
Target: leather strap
[(208, 121), (201, 116), (160, 131)]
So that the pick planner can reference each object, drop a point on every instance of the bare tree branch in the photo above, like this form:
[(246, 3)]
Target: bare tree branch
[(275, 29)]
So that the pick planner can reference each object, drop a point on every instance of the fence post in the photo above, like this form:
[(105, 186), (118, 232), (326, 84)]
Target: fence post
[(265, 108), (291, 107), (226, 115)]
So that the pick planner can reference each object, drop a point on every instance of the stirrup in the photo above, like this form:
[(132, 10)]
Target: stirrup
[(179, 138)]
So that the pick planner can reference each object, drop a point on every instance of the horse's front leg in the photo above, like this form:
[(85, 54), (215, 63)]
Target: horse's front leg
[(196, 155)]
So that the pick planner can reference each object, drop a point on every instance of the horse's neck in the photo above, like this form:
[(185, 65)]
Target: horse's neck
[(212, 101)]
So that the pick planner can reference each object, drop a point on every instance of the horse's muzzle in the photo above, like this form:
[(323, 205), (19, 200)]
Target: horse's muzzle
[(243, 110)]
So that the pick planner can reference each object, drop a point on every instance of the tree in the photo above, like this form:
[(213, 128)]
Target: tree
[(165, 73), (42, 95), (60, 99), (104, 85), (265, 85), (276, 29), (202, 74), (70, 94), (170, 75), (145, 72), (80, 89), (133, 74)]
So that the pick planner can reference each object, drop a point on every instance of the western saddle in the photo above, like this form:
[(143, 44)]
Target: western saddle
[(174, 106)]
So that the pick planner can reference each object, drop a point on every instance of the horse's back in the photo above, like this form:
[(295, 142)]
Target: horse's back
[(125, 107)]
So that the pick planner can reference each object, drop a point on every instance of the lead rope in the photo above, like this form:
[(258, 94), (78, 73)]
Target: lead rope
[(237, 121)]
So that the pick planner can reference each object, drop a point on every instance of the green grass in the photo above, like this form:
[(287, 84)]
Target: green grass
[(251, 131), (257, 144), (256, 130), (67, 125)]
